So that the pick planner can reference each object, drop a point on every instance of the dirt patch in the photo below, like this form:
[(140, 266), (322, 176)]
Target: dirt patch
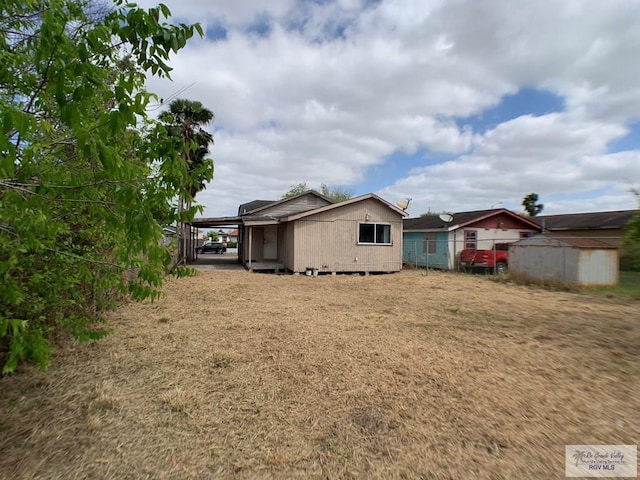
[(239, 375)]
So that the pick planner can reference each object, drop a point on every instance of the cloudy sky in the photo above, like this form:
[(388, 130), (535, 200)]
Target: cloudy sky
[(457, 104)]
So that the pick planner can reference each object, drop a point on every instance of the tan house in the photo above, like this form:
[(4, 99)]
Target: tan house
[(309, 233)]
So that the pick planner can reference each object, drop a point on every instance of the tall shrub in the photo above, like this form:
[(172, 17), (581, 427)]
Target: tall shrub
[(86, 178)]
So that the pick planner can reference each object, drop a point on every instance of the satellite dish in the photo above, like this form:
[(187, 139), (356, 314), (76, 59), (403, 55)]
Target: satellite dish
[(446, 218), (404, 204)]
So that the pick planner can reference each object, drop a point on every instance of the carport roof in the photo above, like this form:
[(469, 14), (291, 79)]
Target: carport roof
[(209, 222)]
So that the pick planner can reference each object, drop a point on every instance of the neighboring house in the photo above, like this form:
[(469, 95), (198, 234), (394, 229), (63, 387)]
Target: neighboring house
[(223, 236), (168, 234), (437, 240), (309, 232), (226, 237), (232, 236), (605, 226)]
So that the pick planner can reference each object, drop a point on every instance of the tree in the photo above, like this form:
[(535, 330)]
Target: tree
[(213, 236), (185, 121), (295, 190), (335, 194), (87, 180), (631, 239), (434, 214), (529, 202)]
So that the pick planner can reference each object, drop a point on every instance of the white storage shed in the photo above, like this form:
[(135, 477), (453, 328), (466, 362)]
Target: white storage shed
[(583, 261)]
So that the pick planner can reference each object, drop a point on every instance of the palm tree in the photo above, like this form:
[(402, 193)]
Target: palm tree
[(529, 202), (185, 120)]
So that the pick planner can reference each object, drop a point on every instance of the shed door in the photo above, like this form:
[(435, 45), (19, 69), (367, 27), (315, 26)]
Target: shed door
[(270, 251)]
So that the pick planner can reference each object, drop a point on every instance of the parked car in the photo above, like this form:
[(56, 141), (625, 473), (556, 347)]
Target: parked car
[(496, 259), (212, 247)]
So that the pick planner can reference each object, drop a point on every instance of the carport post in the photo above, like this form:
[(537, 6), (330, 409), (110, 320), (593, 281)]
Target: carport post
[(250, 242)]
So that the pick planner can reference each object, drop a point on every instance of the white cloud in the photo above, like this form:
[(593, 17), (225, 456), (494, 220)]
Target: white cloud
[(335, 87), (555, 155)]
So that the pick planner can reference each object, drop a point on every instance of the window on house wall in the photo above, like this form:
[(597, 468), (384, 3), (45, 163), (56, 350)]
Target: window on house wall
[(429, 246), (379, 233), (525, 234), (470, 239)]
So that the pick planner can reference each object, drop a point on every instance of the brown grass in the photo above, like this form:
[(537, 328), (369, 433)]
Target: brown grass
[(239, 375)]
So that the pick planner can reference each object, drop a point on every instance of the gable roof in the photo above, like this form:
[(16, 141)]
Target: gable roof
[(586, 221), (256, 206), (460, 219), (350, 201), (249, 207)]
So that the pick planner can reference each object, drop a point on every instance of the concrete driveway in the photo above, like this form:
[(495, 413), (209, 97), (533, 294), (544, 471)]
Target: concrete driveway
[(216, 261)]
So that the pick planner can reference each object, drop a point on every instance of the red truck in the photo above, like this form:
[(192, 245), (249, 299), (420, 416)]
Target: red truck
[(495, 260)]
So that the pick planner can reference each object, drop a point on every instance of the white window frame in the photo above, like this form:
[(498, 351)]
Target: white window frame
[(468, 241), (375, 224)]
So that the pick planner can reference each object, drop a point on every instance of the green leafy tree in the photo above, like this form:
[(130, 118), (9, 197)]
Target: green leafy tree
[(531, 205), (335, 194), (295, 190), (631, 240), (87, 180), (213, 236)]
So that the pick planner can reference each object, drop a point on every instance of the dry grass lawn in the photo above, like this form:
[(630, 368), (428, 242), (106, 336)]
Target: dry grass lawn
[(239, 375)]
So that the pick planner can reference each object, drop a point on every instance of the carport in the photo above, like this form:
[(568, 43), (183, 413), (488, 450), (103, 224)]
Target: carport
[(215, 261), (245, 225)]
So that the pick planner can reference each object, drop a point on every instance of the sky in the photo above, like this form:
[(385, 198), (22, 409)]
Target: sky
[(457, 104)]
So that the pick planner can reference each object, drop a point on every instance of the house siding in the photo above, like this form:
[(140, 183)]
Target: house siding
[(413, 248), (257, 245), (498, 229), (415, 244), (328, 240), (289, 238)]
